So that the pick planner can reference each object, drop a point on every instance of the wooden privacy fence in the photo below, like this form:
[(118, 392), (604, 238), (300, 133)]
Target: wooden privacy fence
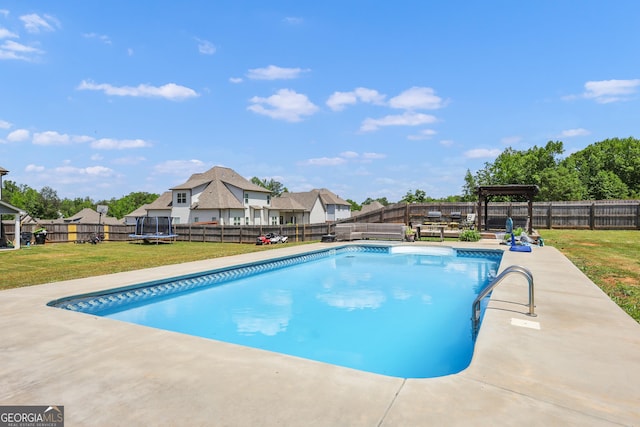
[(591, 215), (82, 233)]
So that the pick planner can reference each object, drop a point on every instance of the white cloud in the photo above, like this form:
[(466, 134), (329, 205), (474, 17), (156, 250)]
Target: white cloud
[(18, 135), (169, 91), (54, 138), (406, 119), (183, 168), (5, 124), (33, 168), (479, 153), (6, 34), (349, 154), (273, 72), (338, 100), (206, 47), (607, 91), (130, 52), (35, 23), (286, 105), (569, 133), (325, 161), (292, 20), (14, 50), (423, 134), (417, 98), (344, 157), (4, 12), (446, 142), (104, 39), (119, 144), (235, 79)]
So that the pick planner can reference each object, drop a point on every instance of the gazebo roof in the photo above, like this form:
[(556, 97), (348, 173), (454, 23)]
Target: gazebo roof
[(508, 190)]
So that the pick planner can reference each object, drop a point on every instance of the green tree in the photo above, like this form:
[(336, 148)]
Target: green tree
[(272, 185), (607, 185), (69, 207), (561, 183), (469, 193), (118, 208), (354, 206), (418, 196), (619, 156)]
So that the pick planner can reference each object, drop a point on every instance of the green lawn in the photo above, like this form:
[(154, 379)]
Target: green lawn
[(39, 264), (609, 258)]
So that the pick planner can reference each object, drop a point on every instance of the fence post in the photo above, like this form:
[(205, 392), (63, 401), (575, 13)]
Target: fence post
[(549, 215), (592, 214)]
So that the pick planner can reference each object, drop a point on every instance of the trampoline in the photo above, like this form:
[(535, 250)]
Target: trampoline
[(151, 229)]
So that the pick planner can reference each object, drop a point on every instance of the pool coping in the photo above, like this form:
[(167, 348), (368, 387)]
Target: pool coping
[(574, 364)]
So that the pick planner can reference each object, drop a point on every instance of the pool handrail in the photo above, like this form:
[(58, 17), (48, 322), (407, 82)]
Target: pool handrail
[(475, 308)]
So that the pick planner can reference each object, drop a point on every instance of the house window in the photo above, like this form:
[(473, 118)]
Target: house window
[(236, 220), (274, 220), (196, 219), (181, 198), (268, 199), (246, 220), (246, 198)]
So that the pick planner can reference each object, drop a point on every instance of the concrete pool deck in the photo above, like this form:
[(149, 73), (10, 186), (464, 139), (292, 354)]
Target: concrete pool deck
[(576, 363)]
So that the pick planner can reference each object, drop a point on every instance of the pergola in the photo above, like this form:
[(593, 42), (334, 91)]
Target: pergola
[(485, 192)]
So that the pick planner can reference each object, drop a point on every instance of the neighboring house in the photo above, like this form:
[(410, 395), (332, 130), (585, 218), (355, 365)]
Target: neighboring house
[(321, 206), (130, 219), (373, 206), (219, 195), (85, 216), (7, 209), (222, 196)]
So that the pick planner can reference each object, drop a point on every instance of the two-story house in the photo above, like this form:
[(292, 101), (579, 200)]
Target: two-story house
[(219, 195), (317, 206), (222, 196)]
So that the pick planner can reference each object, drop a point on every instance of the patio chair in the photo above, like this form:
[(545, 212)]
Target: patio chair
[(469, 222)]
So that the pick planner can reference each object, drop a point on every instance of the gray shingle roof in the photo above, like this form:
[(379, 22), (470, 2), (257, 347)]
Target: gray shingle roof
[(308, 198), (217, 194), (163, 202)]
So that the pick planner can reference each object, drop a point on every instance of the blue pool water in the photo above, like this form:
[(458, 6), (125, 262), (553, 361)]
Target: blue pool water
[(399, 311)]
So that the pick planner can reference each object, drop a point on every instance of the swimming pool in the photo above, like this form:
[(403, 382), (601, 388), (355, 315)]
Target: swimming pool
[(400, 311)]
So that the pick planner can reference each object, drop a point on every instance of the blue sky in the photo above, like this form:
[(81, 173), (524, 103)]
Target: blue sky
[(367, 99)]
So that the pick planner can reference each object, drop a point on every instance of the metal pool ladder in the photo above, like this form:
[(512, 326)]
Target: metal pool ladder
[(475, 308)]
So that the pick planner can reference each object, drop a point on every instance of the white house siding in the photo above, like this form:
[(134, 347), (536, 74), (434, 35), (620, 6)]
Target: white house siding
[(205, 215), (331, 212), (236, 213), (343, 212), (196, 192), (317, 215)]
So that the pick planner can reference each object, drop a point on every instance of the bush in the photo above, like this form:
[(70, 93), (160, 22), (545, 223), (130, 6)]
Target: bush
[(470, 236)]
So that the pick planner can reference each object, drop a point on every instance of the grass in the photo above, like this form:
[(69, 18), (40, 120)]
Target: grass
[(609, 258), (64, 261)]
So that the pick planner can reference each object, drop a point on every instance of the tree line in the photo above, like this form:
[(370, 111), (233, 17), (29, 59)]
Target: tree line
[(608, 169)]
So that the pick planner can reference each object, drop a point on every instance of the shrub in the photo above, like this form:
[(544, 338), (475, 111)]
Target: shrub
[(470, 236)]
